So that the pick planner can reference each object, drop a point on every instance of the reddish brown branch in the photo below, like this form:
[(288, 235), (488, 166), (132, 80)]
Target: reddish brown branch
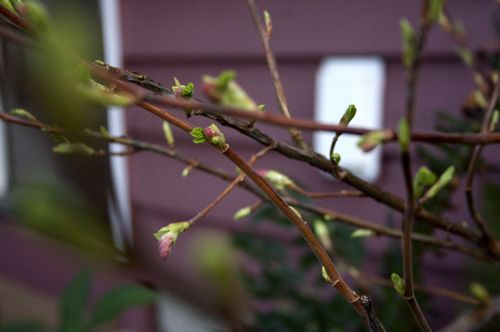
[(273, 69)]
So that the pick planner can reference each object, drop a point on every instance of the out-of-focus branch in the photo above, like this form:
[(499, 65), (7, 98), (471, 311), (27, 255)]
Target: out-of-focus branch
[(473, 319), (471, 170)]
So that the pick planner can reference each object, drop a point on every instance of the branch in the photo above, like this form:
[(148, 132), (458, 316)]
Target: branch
[(474, 319), (410, 204), (488, 237), (265, 38), (313, 243), (312, 158), (235, 182)]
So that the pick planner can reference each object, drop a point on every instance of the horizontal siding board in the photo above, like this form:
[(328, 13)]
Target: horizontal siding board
[(223, 28)]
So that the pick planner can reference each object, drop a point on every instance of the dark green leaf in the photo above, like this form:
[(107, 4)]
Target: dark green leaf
[(73, 303), (22, 327), (119, 299)]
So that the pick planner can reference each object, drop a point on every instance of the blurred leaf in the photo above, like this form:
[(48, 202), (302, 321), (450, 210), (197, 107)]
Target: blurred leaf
[(22, 327), (359, 233), (404, 134), (119, 299), (73, 148), (73, 303), (169, 135), (408, 42), (422, 179), (490, 209), (443, 180), (22, 113), (479, 291), (63, 214)]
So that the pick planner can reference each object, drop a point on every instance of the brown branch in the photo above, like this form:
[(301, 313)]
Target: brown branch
[(389, 231), (265, 38), (410, 203), (486, 234), (312, 158), (349, 220), (313, 243), (235, 182)]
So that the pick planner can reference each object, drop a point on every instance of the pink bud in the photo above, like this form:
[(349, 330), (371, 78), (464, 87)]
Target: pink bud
[(209, 132), (166, 243)]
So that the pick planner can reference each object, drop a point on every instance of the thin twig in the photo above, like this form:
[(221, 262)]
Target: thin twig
[(273, 69), (471, 170), (410, 204), (229, 188)]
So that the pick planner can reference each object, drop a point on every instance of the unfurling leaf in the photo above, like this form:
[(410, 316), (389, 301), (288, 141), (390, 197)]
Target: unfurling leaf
[(269, 23), (336, 157), (349, 114), (198, 135), (224, 91), (494, 120), (279, 180), (435, 10), (22, 113), (398, 283), (169, 135), (443, 180), (479, 292), (323, 234), (480, 99), (325, 275), (104, 131), (371, 140), (185, 91), (466, 56), (404, 134), (73, 148), (424, 177), (362, 233), (102, 95), (408, 43), (242, 213), (187, 170)]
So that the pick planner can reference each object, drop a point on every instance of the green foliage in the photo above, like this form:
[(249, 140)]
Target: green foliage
[(73, 303), (119, 299), (22, 326)]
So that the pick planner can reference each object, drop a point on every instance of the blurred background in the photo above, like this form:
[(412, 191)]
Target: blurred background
[(62, 213)]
